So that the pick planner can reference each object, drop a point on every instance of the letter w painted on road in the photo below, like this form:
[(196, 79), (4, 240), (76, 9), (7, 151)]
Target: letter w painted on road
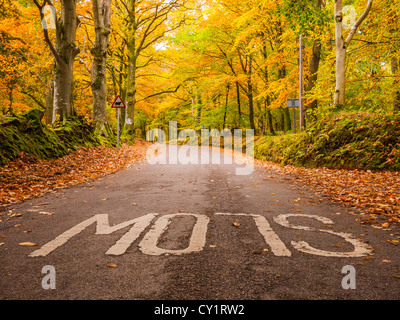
[(102, 227)]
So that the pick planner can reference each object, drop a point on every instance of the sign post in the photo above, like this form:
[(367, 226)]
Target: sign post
[(301, 83), (293, 103), (118, 104)]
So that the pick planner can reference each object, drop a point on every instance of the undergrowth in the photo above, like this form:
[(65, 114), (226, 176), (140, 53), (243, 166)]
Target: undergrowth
[(350, 141), (26, 133)]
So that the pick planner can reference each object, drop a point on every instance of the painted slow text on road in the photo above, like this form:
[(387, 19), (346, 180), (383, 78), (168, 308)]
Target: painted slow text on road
[(149, 242)]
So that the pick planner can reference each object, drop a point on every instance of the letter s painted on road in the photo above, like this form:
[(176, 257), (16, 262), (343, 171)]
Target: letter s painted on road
[(360, 249)]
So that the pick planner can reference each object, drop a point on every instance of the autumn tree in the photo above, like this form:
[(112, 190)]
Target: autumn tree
[(147, 23)]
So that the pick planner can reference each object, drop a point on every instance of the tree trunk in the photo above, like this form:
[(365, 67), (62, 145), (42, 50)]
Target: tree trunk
[(131, 92), (340, 56), (270, 122), (251, 108), (239, 121), (312, 78), (49, 102), (10, 98), (313, 71), (199, 106), (101, 15), (62, 101), (64, 52), (226, 105), (250, 96), (340, 76), (288, 119), (396, 99), (192, 102), (67, 51), (132, 60)]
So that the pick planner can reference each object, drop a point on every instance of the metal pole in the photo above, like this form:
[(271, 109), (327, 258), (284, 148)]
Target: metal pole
[(301, 83), (118, 129), (294, 116)]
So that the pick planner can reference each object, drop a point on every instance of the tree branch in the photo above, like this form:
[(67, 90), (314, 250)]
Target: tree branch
[(359, 22), (161, 92), (46, 33)]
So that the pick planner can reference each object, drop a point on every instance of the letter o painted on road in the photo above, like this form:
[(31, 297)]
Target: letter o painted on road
[(148, 245)]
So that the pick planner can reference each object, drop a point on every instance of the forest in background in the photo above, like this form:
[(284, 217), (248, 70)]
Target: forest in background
[(221, 64)]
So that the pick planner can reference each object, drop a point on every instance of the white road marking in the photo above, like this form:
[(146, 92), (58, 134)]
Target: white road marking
[(360, 249), (148, 245), (271, 238), (102, 227), (128, 238)]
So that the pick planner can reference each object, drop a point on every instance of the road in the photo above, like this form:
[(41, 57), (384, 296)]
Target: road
[(192, 231)]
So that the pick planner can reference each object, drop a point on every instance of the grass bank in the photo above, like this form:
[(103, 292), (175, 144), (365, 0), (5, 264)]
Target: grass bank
[(343, 141), (27, 133)]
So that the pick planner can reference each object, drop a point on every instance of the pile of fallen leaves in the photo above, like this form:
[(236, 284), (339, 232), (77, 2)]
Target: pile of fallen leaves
[(373, 194), (28, 176)]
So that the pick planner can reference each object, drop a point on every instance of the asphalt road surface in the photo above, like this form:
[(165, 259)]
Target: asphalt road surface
[(192, 231)]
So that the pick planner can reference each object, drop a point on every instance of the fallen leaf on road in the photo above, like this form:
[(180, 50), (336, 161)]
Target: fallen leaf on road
[(236, 224), (212, 245), (134, 204), (27, 244), (396, 276), (394, 242), (112, 265), (46, 213)]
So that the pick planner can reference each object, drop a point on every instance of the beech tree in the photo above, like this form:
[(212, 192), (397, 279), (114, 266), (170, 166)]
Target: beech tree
[(64, 51), (342, 46)]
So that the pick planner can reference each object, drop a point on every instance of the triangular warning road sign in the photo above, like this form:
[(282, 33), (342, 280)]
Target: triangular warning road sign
[(118, 103)]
